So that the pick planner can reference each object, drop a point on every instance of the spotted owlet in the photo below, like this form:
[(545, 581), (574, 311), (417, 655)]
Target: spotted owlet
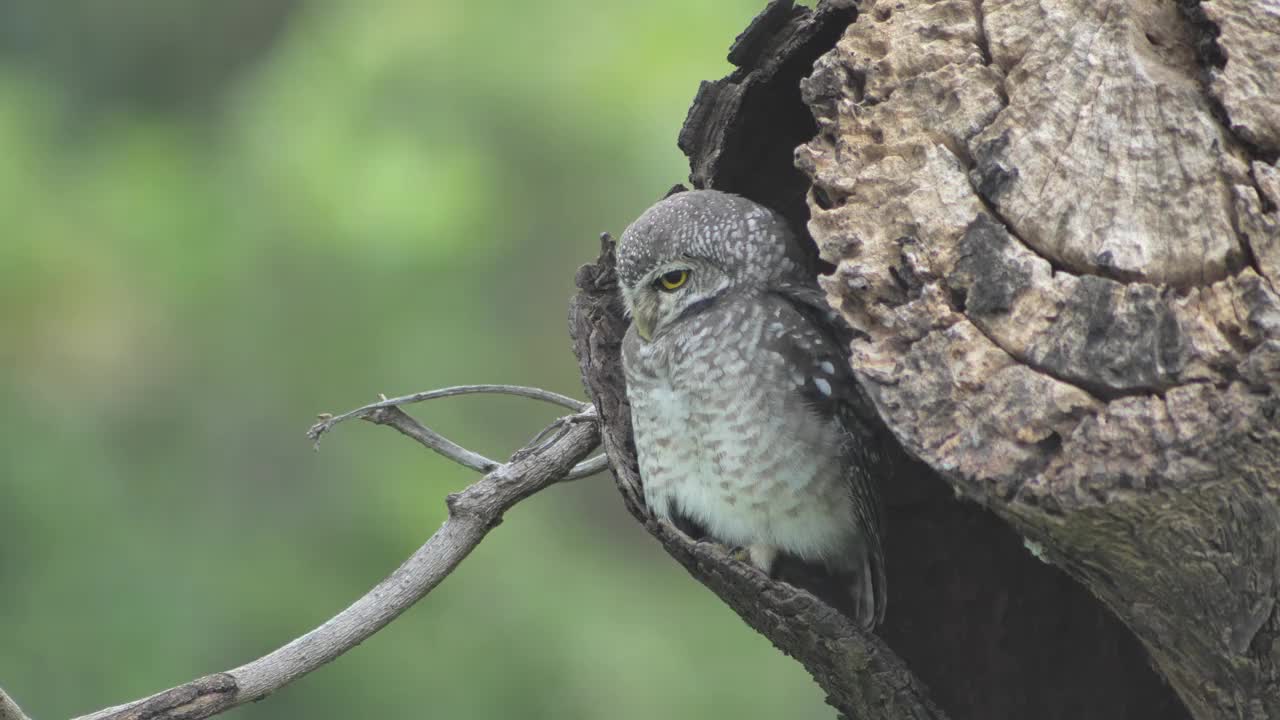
[(741, 397)]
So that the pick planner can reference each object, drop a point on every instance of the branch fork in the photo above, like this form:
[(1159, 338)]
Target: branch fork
[(555, 454)]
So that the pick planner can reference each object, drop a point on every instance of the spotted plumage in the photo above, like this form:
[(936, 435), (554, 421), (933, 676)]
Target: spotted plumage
[(746, 417)]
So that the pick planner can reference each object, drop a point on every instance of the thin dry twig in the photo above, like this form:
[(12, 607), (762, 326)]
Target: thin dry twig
[(387, 412), (472, 514), (328, 421)]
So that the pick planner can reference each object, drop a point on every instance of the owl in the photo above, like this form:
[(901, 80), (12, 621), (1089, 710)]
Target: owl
[(748, 423)]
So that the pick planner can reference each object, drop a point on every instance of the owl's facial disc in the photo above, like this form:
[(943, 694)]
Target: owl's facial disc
[(672, 291), (680, 255)]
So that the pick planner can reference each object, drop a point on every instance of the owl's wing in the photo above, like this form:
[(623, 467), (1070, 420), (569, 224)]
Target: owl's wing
[(811, 303), (830, 387)]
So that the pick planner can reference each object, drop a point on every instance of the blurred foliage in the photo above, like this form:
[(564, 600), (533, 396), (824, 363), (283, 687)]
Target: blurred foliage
[(217, 219)]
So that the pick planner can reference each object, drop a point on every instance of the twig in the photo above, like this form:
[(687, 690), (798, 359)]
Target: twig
[(327, 422), (472, 513), (408, 426), (432, 440), (387, 412), (9, 709)]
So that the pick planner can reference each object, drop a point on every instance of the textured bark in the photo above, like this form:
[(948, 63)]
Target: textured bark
[(1060, 244), (1054, 224), (1244, 66)]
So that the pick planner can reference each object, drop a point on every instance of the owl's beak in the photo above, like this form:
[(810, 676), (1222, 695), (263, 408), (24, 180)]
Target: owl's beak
[(644, 325)]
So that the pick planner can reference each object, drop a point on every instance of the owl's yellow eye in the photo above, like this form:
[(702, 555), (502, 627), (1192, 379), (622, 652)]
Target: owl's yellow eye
[(672, 280)]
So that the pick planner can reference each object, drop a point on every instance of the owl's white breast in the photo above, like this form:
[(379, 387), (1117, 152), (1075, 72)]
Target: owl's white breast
[(724, 438)]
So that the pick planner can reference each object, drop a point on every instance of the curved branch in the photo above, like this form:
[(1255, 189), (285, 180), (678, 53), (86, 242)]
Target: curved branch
[(430, 439), (472, 514), (387, 412), (327, 422)]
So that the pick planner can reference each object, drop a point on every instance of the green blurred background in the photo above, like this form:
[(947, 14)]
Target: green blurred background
[(220, 218)]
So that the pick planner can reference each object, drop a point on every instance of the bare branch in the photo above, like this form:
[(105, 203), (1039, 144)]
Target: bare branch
[(404, 423), (387, 412), (9, 709), (599, 463), (549, 434), (326, 423), (472, 513), (428, 438)]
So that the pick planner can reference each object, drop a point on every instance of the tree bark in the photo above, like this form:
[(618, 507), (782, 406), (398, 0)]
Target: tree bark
[(1054, 225)]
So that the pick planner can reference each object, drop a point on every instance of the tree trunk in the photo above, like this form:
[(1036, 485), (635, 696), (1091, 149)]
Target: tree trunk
[(1054, 225)]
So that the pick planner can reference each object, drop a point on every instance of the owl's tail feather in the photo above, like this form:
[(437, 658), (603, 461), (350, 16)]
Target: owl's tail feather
[(857, 590), (868, 590)]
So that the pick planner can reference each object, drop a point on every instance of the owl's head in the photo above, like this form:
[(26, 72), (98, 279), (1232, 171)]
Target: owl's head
[(692, 248)]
